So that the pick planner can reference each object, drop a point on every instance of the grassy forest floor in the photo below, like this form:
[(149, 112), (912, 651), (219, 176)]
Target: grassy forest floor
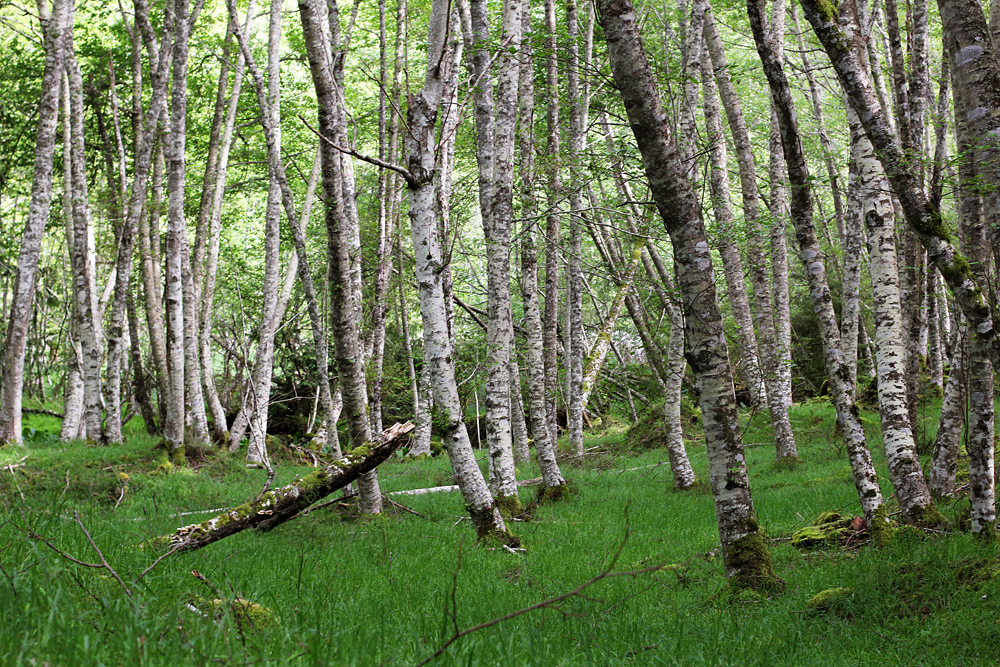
[(341, 591)]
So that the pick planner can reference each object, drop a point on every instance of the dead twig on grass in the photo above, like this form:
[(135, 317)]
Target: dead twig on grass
[(551, 603)]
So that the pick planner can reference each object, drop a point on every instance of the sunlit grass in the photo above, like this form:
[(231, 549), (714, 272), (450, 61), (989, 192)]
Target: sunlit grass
[(348, 592)]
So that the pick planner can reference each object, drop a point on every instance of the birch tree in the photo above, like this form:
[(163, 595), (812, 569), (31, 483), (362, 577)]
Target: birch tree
[(56, 21), (813, 261), (745, 556), (776, 368), (421, 159)]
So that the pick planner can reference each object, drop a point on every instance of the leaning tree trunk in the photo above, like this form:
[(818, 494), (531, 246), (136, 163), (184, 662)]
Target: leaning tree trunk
[(920, 214), (55, 27), (747, 560), (421, 159), (865, 479), (725, 233)]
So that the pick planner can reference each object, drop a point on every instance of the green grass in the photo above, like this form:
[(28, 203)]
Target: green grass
[(348, 592)]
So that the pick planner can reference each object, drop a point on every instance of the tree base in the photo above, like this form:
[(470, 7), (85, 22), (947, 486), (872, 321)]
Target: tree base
[(927, 516), (881, 529), (553, 494), (750, 563), (509, 506)]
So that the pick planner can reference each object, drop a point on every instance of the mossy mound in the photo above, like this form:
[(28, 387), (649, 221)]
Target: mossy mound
[(828, 529), (836, 601), (247, 614)]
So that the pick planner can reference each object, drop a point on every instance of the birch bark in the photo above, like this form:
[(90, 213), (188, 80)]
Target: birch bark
[(552, 223), (732, 264), (919, 213), (341, 222), (495, 122), (535, 345), (865, 479), (55, 24), (744, 552), (574, 259), (776, 369), (143, 152), (87, 311), (269, 321), (176, 233), (439, 353)]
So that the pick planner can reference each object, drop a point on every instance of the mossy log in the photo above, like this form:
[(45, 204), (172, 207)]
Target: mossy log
[(280, 505)]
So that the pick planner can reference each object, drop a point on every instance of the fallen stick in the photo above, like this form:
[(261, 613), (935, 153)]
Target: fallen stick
[(279, 505)]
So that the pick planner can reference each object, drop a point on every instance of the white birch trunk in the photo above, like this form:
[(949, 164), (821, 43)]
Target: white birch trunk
[(87, 314), (176, 234), (745, 556), (439, 353), (865, 479), (776, 368), (55, 24)]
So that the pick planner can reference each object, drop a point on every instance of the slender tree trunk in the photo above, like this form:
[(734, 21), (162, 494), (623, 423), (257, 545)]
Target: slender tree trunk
[(534, 333), (264, 364), (56, 24), (865, 479), (574, 259), (722, 207), (947, 442), (897, 431), (87, 311), (341, 223), (744, 553), (776, 368), (144, 140), (495, 122), (422, 112), (176, 232), (779, 290), (211, 263), (552, 224)]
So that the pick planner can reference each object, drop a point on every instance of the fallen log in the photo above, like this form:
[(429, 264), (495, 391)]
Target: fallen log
[(279, 505)]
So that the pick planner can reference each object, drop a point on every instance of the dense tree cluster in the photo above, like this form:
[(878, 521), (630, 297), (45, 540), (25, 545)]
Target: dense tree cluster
[(546, 168)]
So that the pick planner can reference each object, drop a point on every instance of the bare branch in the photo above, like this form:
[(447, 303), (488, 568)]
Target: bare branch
[(364, 158)]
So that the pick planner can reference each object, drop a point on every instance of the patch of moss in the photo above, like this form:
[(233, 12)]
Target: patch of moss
[(827, 529), (836, 601), (926, 516), (177, 456), (881, 528), (552, 494), (750, 562), (509, 505), (828, 9), (247, 614)]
